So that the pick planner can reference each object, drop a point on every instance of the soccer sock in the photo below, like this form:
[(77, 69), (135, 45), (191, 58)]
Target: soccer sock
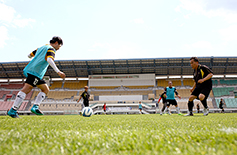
[(19, 99), (177, 109), (165, 109), (40, 97), (190, 107), (204, 103)]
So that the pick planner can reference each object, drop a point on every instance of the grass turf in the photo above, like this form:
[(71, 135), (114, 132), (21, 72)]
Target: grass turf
[(119, 134)]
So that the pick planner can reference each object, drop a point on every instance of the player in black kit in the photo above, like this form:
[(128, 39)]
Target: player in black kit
[(202, 85), (85, 95), (163, 97), (221, 105)]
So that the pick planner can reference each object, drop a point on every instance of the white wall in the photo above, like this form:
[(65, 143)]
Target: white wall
[(122, 80)]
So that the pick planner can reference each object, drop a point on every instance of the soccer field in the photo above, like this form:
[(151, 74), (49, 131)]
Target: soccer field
[(119, 134)]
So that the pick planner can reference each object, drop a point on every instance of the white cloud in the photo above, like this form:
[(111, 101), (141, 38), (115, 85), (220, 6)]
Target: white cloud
[(138, 21), (230, 33), (22, 22), (227, 9), (6, 13), (9, 18), (3, 36)]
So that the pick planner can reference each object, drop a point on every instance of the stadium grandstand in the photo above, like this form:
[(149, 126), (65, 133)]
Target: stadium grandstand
[(120, 83)]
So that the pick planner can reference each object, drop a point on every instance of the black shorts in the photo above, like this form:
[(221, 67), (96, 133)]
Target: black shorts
[(86, 104), (221, 107), (171, 102), (199, 90), (104, 110), (33, 80)]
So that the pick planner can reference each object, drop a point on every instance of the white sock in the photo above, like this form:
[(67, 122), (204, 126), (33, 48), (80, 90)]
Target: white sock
[(177, 109), (19, 99), (165, 110), (40, 97)]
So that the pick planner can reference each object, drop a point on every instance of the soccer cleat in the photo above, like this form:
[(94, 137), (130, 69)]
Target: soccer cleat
[(160, 113), (205, 112), (12, 113), (189, 114), (35, 109)]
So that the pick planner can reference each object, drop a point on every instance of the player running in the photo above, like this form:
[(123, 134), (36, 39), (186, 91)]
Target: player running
[(221, 105), (202, 85), (104, 108), (170, 98), (140, 107), (163, 97), (86, 96), (34, 72)]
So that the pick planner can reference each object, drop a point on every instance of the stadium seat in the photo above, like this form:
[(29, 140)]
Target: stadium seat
[(75, 84), (56, 84), (188, 82)]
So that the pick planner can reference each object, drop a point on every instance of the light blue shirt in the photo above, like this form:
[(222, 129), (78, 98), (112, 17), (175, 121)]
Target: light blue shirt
[(38, 65), (140, 106), (170, 93)]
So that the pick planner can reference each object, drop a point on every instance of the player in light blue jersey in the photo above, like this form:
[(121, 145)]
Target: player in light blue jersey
[(34, 72), (140, 107), (170, 98)]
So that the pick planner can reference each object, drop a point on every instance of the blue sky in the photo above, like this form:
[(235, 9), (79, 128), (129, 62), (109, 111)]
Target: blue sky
[(119, 29)]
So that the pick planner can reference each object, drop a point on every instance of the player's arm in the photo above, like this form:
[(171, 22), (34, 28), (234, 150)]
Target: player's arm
[(209, 73), (55, 68), (206, 78), (177, 94), (79, 99), (50, 59), (165, 93), (159, 99), (194, 86), (32, 54)]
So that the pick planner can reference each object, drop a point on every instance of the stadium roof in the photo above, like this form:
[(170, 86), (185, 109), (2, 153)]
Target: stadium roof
[(157, 66)]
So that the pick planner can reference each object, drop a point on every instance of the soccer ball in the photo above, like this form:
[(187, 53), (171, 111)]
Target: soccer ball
[(87, 112)]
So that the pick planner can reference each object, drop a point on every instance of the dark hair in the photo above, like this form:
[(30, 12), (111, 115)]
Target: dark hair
[(194, 59), (56, 39)]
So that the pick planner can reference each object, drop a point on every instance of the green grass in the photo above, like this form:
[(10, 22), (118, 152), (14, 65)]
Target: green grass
[(119, 134)]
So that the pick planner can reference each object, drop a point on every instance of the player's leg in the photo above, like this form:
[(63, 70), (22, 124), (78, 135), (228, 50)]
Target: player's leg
[(167, 106), (177, 107), (40, 97), (19, 99), (203, 98), (82, 106), (191, 105), (163, 108)]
